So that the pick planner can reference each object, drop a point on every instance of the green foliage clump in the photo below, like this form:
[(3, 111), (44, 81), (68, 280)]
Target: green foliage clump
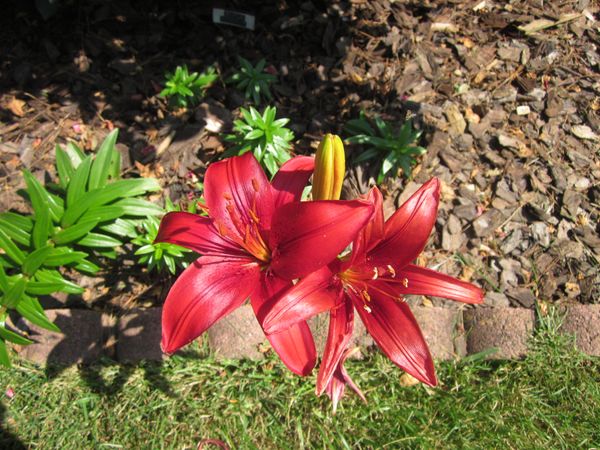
[(185, 89), (392, 149), (74, 222), (253, 80), (160, 255), (267, 137)]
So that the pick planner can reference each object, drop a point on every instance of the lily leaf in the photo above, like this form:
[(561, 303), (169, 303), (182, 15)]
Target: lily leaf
[(35, 259), (14, 295), (99, 240), (75, 231), (101, 165), (4, 358), (41, 198), (28, 309), (79, 181), (15, 232), (64, 167), (53, 276), (106, 194), (10, 248), (60, 256), (13, 337)]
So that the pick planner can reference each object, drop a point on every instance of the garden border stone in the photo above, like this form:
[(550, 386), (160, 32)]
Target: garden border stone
[(583, 321), (506, 329), (139, 335)]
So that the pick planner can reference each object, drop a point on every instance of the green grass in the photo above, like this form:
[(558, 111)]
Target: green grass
[(549, 400)]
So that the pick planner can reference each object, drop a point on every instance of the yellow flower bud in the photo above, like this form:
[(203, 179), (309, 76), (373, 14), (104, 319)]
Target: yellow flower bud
[(330, 167)]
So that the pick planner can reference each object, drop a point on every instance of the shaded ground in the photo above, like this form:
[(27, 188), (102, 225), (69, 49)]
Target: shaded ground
[(510, 119), (533, 403)]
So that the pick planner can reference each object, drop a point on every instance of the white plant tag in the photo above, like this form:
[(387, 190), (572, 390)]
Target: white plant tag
[(233, 18)]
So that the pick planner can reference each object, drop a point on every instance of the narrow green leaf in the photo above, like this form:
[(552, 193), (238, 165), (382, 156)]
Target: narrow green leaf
[(76, 155), (99, 240), (101, 165), (14, 295), (61, 256), (53, 276), (75, 231), (148, 248), (139, 207), (3, 280), (78, 183), (41, 228), (107, 194), (28, 309), (35, 259), (42, 287), (11, 250), (13, 337), (102, 214), (15, 232), (63, 166), (115, 165), (41, 198), (87, 267), (18, 220), (121, 227), (4, 358)]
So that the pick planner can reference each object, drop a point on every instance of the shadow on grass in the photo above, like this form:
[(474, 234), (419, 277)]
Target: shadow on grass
[(8, 441)]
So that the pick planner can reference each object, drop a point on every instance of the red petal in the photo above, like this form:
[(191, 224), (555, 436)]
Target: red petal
[(372, 233), (306, 236), (196, 233), (207, 290), (394, 328), (341, 323), (295, 346), (407, 231), (237, 192), (337, 385), (422, 281), (290, 180), (310, 296)]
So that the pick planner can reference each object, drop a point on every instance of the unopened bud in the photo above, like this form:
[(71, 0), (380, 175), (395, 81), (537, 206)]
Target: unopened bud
[(330, 167)]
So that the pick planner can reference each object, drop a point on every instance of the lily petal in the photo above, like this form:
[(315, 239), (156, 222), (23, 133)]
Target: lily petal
[(195, 233), (306, 236), (372, 233), (407, 230), (423, 281), (341, 324), (207, 290), (396, 332), (289, 182), (310, 296), (295, 346), (238, 193), (337, 385)]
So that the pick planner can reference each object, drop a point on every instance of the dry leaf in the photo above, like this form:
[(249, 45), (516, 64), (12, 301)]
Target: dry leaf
[(16, 107), (407, 380)]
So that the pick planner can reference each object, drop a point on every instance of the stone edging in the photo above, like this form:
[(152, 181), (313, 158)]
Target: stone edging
[(88, 335)]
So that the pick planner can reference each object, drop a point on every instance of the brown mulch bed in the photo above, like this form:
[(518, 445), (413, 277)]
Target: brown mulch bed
[(511, 120)]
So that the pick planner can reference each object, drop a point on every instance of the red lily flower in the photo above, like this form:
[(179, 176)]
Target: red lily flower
[(374, 280), (258, 236)]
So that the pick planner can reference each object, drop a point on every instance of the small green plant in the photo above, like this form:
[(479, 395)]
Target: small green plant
[(73, 224), (184, 89), (161, 255), (394, 149), (268, 138), (254, 81)]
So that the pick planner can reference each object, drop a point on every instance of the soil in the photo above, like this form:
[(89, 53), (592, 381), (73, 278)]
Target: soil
[(506, 94)]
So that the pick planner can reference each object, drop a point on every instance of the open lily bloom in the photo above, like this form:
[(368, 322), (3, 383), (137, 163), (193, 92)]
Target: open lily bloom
[(257, 238), (373, 280)]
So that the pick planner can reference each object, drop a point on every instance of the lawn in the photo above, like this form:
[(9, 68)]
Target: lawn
[(551, 399)]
